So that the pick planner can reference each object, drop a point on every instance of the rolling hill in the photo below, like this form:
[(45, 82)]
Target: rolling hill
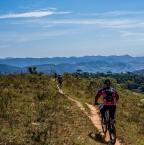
[(22, 62), (91, 64)]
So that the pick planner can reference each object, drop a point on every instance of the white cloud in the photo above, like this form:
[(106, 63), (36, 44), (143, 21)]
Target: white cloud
[(46, 9), (132, 36), (48, 26), (127, 33), (91, 23), (52, 8), (118, 13), (101, 23), (31, 14), (30, 6)]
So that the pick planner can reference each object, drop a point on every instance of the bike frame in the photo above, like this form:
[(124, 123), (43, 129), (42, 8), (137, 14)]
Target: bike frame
[(110, 126)]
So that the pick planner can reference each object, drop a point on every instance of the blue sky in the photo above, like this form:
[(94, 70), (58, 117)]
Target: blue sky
[(64, 28)]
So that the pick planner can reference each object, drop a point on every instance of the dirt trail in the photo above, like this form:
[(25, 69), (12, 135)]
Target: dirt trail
[(94, 116)]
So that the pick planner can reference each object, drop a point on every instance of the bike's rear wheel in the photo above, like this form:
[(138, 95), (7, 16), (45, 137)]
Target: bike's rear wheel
[(112, 133), (104, 126)]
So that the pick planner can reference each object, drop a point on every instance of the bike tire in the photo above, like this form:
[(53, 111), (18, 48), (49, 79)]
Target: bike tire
[(104, 127), (112, 133)]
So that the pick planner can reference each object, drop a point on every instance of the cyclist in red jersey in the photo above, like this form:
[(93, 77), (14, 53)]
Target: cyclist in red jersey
[(110, 97), (60, 80)]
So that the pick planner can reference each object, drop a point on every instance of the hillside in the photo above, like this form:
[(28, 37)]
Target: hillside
[(9, 69), (139, 71), (90, 67), (23, 62), (32, 111)]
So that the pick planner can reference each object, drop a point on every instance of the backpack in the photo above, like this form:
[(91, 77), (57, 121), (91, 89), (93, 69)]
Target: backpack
[(109, 94), (60, 78)]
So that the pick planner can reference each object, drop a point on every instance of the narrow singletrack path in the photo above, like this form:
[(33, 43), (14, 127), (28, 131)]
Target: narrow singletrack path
[(94, 116)]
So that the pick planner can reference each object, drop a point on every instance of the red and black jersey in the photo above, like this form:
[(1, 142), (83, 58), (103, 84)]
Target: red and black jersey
[(60, 79), (103, 92)]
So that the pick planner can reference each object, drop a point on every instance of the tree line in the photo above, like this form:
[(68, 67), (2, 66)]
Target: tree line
[(130, 80)]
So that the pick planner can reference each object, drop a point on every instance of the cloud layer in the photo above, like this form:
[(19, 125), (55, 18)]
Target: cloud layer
[(65, 25), (119, 13), (31, 14)]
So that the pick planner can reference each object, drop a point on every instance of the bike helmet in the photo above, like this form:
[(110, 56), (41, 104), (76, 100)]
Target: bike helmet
[(107, 82)]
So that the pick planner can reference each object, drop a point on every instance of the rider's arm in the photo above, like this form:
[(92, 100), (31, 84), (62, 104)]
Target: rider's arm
[(98, 95), (116, 95)]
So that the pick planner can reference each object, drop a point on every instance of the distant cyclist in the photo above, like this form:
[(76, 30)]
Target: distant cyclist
[(60, 80), (110, 97), (55, 75)]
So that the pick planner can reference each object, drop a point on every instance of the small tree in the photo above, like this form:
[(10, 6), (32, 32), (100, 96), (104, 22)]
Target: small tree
[(79, 71), (32, 70)]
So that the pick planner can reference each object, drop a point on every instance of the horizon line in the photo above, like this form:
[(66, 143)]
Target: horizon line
[(69, 56)]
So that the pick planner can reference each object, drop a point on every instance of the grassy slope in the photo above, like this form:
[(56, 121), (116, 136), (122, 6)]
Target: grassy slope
[(129, 116), (32, 111)]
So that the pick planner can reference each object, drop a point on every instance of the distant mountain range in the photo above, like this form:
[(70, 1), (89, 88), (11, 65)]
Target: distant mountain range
[(115, 64), (139, 71)]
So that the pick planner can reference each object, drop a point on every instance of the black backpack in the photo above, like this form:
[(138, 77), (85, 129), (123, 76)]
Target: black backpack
[(60, 78), (109, 95)]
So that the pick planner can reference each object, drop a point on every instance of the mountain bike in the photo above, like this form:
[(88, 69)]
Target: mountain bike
[(108, 125)]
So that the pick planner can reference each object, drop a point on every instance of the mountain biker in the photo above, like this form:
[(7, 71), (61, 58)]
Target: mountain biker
[(110, 97), (60, 79)]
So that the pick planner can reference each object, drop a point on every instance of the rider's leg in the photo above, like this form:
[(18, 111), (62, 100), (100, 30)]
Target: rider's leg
[(61, 83), (102, 111), (112, 112)]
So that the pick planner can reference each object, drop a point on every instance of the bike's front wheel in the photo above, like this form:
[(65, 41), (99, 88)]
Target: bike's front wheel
[(104, 125), (112, 133)]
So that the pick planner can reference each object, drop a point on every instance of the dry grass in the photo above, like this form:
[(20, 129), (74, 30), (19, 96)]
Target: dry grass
[(32, 111)]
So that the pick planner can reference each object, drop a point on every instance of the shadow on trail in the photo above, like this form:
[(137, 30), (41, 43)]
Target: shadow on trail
[(98, 137)]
